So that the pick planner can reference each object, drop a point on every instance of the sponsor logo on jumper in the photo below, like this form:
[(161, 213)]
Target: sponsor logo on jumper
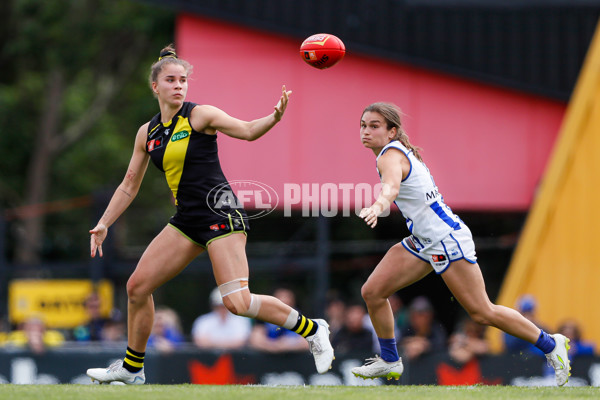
[(432, 195), (179, 135)]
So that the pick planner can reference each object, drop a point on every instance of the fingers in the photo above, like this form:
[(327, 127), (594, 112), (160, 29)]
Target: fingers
[(97, 236), (283, 100), (95, 247), (92, 246), (369, 216), (372, 222)]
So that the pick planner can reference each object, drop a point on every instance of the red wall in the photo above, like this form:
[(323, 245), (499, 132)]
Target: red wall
[(486, 147)]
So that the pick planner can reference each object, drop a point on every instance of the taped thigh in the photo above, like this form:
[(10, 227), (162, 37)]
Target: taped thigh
[(234, 286)]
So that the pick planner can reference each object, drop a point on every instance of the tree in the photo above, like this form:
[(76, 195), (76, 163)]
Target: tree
[(66, 70)]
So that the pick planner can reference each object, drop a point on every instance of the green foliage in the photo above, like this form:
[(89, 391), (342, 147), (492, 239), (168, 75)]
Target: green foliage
[(83, 43)]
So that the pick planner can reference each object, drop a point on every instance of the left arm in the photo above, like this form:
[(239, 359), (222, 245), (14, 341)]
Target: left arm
[(392, 166), (210, 119)]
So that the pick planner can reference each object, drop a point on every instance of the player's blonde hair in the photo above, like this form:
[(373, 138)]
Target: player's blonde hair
[(168, 56), (392, 115)]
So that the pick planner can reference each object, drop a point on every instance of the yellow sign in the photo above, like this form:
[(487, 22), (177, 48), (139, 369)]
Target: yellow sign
[(60, 303)]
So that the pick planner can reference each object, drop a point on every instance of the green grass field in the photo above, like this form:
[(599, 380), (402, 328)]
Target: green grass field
[(209, 392)]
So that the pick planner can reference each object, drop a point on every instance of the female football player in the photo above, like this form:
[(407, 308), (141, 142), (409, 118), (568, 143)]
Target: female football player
[(181, 140), (439, 242)]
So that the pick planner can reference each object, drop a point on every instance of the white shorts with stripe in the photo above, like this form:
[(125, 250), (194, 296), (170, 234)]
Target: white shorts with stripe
[(456, 246)]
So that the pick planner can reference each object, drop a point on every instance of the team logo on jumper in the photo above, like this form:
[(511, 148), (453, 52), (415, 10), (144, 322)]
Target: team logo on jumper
[(179, 135), (154, 144), (438, 258), (256, 198)]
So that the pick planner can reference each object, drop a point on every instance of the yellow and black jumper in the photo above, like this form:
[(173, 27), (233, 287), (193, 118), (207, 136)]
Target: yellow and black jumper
[(207, 208)]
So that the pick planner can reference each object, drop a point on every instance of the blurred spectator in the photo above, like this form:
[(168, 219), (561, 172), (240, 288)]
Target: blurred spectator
[(570, 328), (275, 339), (166, 332), (526, 305), (334, 314), (34, 335), (354, 335), (424, 333), (92, 329), (219, 328), (114, 330), (468, 342)]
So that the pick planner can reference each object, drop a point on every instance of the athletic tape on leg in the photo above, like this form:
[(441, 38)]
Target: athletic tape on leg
[(233, 286), (233, 291), (291, 320), (254, 306)]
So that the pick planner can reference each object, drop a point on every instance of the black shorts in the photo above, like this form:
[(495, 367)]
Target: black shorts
[(204, 233)]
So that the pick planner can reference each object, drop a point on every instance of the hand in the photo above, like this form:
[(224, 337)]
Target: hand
[(98, 234), (369, 215), (282, 103)]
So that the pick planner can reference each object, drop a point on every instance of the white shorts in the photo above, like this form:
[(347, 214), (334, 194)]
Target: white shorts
[(456, 246)]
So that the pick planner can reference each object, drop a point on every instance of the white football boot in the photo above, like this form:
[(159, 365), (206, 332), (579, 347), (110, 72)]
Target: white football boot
[(320, 347), (116, 373), (377, 367), (559, 359)]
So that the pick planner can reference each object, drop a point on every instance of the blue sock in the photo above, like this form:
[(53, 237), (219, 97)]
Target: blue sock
[(545, 342), (389, 351)]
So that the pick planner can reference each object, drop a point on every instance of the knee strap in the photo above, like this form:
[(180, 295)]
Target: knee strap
[(233, 289)]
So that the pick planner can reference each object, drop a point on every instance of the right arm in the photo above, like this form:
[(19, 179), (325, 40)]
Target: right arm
[(210, 119), (393, 167), (125, 193)]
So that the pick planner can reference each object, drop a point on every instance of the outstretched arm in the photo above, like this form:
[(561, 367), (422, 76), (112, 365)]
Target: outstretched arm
[(210, 119), (124, 194)]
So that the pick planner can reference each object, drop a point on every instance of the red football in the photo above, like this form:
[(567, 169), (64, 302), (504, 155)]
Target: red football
[(322, 50)]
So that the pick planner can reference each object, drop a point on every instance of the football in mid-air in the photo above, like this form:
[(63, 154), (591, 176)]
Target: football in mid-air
[(322, 50)]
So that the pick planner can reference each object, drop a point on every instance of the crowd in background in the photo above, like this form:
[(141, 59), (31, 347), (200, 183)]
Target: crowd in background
[(419, 331)]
